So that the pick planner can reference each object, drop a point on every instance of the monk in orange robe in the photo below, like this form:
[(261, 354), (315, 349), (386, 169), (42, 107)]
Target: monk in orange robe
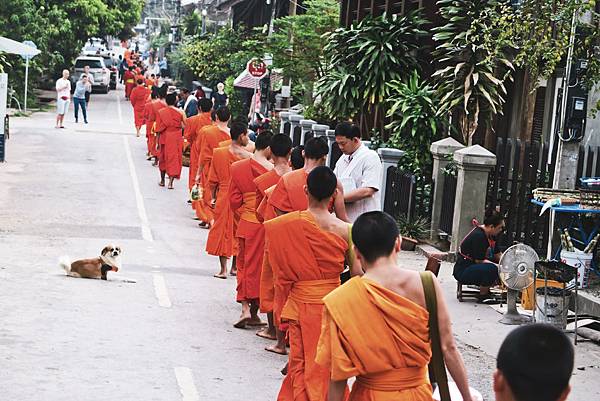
[(210, 137), (281, 147), (308, 250), (129, 79), (242, 197), (155, 106), (149, 121), (170, 123), (289, 194), (221, 241), (138, 97), (383, 339), (192, 127)]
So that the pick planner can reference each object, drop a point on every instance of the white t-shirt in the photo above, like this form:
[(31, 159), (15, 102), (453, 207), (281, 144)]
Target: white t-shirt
[(63, 88), (361, 169)]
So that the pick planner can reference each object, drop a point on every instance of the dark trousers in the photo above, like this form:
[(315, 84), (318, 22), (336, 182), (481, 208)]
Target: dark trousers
[(80, 103)]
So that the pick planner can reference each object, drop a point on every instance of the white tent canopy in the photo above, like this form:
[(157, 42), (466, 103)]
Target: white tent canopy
[(13, 47)]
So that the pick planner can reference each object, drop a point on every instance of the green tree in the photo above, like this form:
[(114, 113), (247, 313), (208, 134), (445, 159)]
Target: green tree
[(301, 55), (364, 58), (473, 54)]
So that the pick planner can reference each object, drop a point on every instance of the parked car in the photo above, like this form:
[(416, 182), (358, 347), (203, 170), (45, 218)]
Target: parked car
[(110, 63), (98, 70)]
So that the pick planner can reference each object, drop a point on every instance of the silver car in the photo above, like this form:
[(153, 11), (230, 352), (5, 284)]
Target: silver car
[(98, 69)]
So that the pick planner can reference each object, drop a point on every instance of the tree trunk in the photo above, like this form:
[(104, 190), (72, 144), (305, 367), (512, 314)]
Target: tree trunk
[(529, 90)]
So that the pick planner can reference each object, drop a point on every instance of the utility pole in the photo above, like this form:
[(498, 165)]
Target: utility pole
[(287, 80)]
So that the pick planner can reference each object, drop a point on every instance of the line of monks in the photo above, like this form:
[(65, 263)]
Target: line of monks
[(285, 228)]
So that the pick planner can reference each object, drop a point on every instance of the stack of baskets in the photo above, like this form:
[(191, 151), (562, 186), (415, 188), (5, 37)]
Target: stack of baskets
[(589, 194), (567, 196)]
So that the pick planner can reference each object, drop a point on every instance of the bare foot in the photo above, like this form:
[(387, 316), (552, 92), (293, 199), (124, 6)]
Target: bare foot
[(275, 349), (241, 324), (255, 321), (233, 272), (223, 276), (284, 371), (171, 187), (161, 184), (265, 333), (204, 225)]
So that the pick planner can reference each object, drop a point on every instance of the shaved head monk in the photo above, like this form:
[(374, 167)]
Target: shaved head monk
[(138, 97), (193, 126), (281, 148), (307, 249), (211, 136), (383, 339), (221, 241), (289, 195), (169, 126), (251, 241)]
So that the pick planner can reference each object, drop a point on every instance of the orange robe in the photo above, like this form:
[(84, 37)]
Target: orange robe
[(168, 125), (149, 121), (264, 212), (210, 136), (129, 79), (382, 340), (289, 194), (190, 134), (220, 241), (250, 232), (138, 97), (155, 106), (309, 261)]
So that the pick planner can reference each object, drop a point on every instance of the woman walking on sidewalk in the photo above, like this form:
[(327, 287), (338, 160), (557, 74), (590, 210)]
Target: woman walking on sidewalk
[(83, 86)]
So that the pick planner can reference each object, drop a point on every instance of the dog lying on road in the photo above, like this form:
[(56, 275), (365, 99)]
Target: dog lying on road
[(109, 260)]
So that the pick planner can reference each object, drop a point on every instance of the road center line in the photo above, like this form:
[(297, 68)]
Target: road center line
[(146, 232), (119, 112), (160, 288), (185, 380)]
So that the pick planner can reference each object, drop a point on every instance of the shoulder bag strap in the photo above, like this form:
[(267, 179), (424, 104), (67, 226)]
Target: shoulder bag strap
[(437, 367)]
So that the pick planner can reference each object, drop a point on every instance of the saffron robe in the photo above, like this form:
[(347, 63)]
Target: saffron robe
[(138, 98), (192, 126), (220, 241), (250, 232), (129, 79), (289, 194), (309, 261), (168, 125), (210, 136), (265, 184), (152, 116), (382, 340)]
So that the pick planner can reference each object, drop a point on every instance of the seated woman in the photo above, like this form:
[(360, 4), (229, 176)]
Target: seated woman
[(478, 255)]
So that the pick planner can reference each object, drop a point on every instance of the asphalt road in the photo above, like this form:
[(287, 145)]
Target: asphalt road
[(168, 335)]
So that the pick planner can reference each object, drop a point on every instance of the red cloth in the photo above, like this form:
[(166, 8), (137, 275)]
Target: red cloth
[(155, 106), (250, 233), (168, 126), (138, 97)]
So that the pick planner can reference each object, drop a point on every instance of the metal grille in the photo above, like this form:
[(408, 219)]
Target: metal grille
[(448, 199), (399, 190), (297, 135)]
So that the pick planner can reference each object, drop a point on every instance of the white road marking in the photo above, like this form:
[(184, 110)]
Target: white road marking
[(160, 288), (146, 232), (119, 113), (187, 388)]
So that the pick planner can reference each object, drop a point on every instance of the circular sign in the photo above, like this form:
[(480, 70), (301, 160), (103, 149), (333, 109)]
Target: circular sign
[(257, 68), (30, 44)]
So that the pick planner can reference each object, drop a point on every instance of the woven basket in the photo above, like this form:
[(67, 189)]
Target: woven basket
[(566, 195), (589, 199)]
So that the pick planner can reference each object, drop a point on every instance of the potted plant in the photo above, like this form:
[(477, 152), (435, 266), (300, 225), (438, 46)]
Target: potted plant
[(412, 231)]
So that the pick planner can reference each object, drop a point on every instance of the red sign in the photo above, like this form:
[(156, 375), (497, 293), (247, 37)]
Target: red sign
[(256, 68)]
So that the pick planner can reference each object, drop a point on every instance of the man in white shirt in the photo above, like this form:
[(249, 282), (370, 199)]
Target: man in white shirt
[(63, 98), (359, 170)]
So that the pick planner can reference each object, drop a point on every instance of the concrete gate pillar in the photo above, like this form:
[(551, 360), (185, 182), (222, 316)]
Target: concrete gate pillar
[(441, 151), (306, 126), (295, 126), (474, 165), (285, 118), (390, 158)]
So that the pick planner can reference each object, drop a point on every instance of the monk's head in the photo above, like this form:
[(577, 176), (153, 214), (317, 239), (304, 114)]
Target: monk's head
[(535, 363), (238, 132), (321, 186), (281, 146), (262, 144), (316, 150), (376, 237), (297, 157), (140, 82), (222, 114), (171, 99), (205, 105)]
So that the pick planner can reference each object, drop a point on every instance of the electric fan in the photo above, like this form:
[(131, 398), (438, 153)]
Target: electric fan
[(516, 272)]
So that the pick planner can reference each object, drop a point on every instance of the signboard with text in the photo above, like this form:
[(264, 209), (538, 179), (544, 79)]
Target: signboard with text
[(256, 68)]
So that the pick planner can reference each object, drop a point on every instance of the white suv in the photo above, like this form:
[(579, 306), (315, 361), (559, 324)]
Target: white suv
[(98, 69)]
